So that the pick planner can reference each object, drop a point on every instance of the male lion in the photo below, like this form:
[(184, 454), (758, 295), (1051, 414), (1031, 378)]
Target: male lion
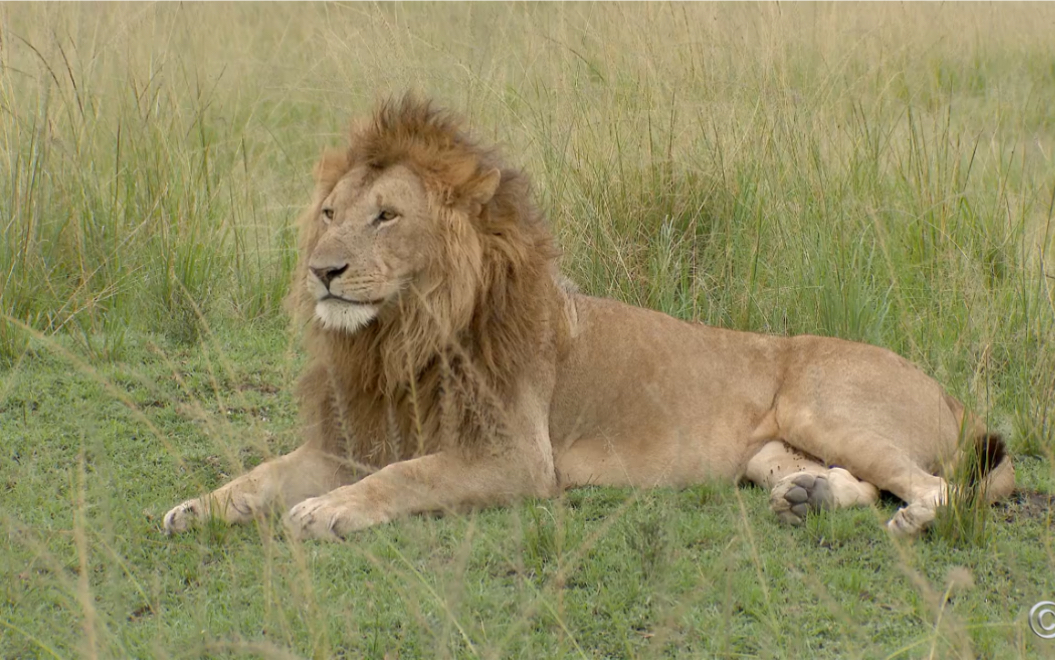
[(450, 368)]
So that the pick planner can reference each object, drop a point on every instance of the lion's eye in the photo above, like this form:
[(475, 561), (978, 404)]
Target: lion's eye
[(385, 215), (328, 214)]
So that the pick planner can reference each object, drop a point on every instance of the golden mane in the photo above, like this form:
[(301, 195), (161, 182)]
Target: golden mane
[(441, 370)]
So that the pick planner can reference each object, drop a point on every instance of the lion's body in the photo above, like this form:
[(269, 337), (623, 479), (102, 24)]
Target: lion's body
[(644, 399), (451, 368)]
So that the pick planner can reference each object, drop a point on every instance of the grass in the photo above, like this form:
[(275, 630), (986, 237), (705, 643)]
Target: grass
[(882, 174)]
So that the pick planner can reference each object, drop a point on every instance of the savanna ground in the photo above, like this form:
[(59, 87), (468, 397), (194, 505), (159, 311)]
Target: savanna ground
[(879, 173)]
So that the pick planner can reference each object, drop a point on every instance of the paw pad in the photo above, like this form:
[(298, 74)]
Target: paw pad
[(793, 498)]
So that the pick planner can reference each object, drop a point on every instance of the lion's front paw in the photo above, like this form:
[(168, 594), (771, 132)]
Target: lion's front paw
[(184, 516), (327, 518), (796, 494)]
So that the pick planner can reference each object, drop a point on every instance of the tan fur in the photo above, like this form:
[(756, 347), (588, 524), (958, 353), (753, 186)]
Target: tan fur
[(451, 366)]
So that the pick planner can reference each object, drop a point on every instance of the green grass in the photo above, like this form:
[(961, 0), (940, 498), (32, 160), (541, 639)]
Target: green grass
[(605, 572), (883, 174)]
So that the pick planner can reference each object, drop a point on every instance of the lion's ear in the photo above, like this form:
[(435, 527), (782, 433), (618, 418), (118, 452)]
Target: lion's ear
[(483, 187)]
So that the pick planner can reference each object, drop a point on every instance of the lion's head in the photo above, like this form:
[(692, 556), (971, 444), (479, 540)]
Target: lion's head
[(419, 241), (380, 238)]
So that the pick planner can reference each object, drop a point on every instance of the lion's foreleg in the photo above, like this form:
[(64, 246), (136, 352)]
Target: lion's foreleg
[(439, 482), (284, 481)]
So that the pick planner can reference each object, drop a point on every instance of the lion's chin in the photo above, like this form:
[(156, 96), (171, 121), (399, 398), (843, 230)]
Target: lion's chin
[(344, 316)]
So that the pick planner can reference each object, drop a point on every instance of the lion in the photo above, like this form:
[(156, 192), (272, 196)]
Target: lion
[(452, 366)]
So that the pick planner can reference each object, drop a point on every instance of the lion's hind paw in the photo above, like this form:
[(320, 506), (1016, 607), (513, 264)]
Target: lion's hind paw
[(912, 518), (797, 494)]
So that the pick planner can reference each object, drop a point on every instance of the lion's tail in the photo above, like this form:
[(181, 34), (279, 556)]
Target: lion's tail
[(983, 464), (991, 468)]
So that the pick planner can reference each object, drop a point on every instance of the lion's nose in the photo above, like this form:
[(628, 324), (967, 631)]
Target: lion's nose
[(328, 273)]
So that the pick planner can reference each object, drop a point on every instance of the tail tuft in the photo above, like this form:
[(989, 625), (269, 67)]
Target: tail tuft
[(991, 452)]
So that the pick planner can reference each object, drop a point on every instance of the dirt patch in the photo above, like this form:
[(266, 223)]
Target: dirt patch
[(258, 386), (1027, 505)]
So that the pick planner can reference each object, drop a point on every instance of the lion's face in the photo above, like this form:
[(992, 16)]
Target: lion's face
[(375, 230)]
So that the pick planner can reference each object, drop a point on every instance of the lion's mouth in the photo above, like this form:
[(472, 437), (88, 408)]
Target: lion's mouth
[(373, 302), (345, 315)]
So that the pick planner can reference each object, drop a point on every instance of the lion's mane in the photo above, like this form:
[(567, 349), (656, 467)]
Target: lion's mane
[(437, 373)]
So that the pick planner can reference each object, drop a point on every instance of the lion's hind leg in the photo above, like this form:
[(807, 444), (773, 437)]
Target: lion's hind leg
[(993, 468), (798, 483), (885, 465)]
